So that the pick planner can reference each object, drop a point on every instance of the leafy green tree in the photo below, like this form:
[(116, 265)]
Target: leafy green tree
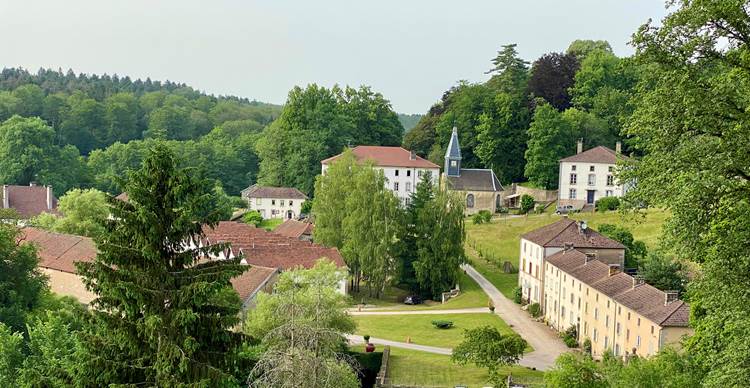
[(668, 369), (575, 371), (26, 150), (54, 354), (594, 130), (83, 125), (409, 252), (549, 141), (11, 356), (373, 118), (551, 77), (663, 272), (635, 250), (8, 105), (121, 118), (501, 137), (527, 203), (21, 283), (163, 318), (440, 243), (252, 217), (581, 48), (329, 206), (84, 212), (30, 100), (486, 347)]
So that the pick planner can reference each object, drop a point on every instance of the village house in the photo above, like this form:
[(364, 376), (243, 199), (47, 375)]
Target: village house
[(537, 245), (479, 187), (615, 311), (28, 201), (275, 202), (589, 176), (300, 230), (402, 169)]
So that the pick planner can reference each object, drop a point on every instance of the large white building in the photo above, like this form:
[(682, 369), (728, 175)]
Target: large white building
[(403, 169), (589, 176), (275, 202)]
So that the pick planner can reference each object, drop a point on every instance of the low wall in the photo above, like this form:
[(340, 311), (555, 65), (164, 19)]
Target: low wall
[(539, 195)]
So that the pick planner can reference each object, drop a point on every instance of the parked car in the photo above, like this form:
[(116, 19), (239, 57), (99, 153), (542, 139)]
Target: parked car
[(413, 299), (565, 209)]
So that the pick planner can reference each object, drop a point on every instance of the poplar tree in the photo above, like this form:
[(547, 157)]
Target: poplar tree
[(424, 193), (162, 317)]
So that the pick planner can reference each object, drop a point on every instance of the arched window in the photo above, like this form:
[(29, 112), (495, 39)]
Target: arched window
[(470, 201)]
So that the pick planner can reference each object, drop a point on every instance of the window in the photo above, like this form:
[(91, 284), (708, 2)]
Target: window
[(639, 321), (562, 310), (419, 173), (579, 302), (573, 178), (408, 172), (617, 328), (573, 167), (610, 168), (617, 349), (627, 334), (407, 201), (454, 163), (395, 186), (281, 202), (408, 187), (652, 329), (606, 321), (290, 203), (592, 179), (628, 316), (585, 328), (607, 303), (572, 194), (591, 168), (396, 172), (608, 193), (638, 341), (586, 308), (606, 341), (258, 201), (273, 202), (597, 297), (595, 335), (596, 313), (571, 318), (610, 180), (571, 297), (470, 201), (619, 310)]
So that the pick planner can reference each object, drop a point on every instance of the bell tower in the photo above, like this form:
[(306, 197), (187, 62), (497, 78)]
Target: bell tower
[(453, 156)]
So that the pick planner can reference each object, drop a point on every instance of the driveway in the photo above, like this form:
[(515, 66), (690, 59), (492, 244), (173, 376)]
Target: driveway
[(545, 341), (419, 312)]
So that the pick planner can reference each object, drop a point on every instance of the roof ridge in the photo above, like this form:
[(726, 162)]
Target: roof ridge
[(677, 307)]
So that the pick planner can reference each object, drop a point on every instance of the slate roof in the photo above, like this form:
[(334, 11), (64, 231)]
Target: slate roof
[(565, 231), (644, 299), (253, 280), (267, 249), (256, 191), (294, 229), (28, 201), (600, 154), (475, 179), (454, 150), (59, 251), (387, 157)]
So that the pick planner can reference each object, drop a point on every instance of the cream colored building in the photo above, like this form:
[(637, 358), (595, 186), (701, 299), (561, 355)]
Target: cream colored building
[(275, 202), (589, 175), (541, 243), (617, 312)]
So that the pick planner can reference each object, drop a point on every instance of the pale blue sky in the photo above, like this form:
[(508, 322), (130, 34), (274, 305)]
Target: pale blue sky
[(409, 50)]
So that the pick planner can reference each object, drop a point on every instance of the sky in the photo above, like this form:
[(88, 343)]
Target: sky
[(411, 51)]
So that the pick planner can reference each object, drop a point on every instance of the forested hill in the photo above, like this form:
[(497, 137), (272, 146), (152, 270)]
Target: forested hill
[(91, 111)]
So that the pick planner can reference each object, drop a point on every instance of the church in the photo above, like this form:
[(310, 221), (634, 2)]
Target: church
[(479, 187)]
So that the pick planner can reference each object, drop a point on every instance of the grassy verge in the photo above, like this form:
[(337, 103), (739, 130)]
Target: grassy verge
[(271, 223), (415, 368), (419, 329)]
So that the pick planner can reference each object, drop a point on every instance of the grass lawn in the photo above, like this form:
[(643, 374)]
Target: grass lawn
[(500, 240), (471, 296), (271, 223), (419, 327), (415, 368)]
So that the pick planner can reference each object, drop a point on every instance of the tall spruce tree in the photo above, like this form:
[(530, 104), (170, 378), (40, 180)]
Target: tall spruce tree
[(163, 318), (424, 193)]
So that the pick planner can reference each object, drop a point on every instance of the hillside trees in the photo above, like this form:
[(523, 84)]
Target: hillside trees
[(549, 141), (21, 282), (84, 212), (551, 77), (409, 254), (170, 315)]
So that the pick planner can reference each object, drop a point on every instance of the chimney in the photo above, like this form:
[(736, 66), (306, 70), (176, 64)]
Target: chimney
[(6, 200), (613, 269), (567, 246), (670, 296), (618, 147), (412, 155), (582, 226), (590, 257), (579, 146), (32, 184), (50, 195), (637, 281)]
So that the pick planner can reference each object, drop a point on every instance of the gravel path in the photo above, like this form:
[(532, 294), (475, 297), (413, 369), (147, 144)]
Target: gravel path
[(419, 312)]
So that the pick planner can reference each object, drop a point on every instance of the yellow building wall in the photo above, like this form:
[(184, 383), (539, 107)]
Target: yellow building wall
[(68, 284), (483, 200)]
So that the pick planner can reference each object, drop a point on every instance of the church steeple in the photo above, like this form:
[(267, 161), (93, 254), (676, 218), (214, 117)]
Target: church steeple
[(453, 156)]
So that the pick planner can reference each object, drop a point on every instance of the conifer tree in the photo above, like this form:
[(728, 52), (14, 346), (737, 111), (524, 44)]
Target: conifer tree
[(162, 317), (424, 193)]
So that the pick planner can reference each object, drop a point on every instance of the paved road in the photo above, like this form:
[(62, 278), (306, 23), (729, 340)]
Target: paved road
[(545, 341), (358, 340), (419, 312)]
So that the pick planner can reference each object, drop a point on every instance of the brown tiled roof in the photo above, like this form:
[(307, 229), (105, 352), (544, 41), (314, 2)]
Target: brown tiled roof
[(294, 229), (600, 154), (28, 201), (59, 251), (268, 249), (643, 299), (387, 157), (252, 281), (256, 191), (559, 233), (472, 179)]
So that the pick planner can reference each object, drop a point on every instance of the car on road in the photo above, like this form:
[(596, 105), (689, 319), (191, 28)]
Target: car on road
[(565, 209), (413, 300)]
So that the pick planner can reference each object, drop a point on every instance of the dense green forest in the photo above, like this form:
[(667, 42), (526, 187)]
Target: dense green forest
[(409, 121)]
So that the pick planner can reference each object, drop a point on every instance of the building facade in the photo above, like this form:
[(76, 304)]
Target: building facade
[(613, 310), (541, 243), (589, 176), (28, 201), (274, 202), (479, 187), (402, 169)]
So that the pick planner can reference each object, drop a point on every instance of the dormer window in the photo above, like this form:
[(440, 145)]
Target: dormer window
[(573, 168), (591, 168)]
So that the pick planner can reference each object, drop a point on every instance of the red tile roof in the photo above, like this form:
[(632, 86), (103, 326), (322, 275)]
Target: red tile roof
[(59, 251), (387, 157), (256, 191), (294, 229), (252, 281), (600, 154), (642, 298), (565, 231), (267, 249), (28, 201)]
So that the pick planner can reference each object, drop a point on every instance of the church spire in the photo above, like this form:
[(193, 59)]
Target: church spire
[(453, 156)]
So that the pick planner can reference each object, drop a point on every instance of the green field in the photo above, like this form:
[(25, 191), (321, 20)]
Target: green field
[(420, 330), (415, 368), (271, 223), (499, 241), (471, 296)]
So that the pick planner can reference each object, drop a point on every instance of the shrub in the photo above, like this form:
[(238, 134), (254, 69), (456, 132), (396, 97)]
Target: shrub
[(238, 202), (517, 295), (527, 203), (252, 218), (608, 203), (486, 215), (367, 338), (570, 341), (441, 324), (502, 210), (477, 219), (491, 305), (587, 347), (569, 337), (535, 310)]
